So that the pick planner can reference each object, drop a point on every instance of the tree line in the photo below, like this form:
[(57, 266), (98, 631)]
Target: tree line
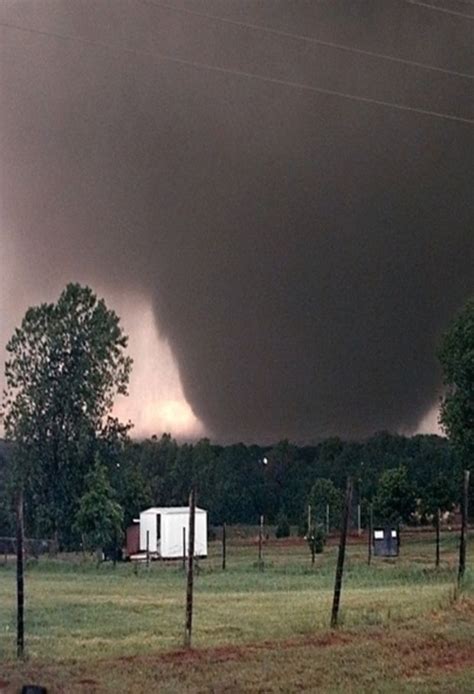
[(405, 479), (84, 478)]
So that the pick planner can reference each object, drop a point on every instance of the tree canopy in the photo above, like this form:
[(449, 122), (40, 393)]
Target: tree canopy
[(324, 494), (66, 363), (456, 355), (396, 497), (99, 518)]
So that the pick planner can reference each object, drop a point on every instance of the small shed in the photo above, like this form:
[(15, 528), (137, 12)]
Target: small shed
[(167, 528), (386, 542)]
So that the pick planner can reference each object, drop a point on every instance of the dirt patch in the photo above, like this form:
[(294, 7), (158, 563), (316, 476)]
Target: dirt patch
[(433, 656), (433, 660), (331, 638), (216, 655), (233, 653)]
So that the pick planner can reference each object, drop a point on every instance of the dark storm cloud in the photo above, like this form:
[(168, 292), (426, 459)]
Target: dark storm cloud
[(302, 251)]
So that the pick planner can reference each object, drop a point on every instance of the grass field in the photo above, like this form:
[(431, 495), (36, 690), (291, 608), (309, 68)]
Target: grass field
[(89, 628)]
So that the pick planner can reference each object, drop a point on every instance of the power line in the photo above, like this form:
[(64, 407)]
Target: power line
[(307, 39), (437, 8), (240, 73)]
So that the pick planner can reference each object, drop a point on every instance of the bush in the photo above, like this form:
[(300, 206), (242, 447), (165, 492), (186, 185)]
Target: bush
[(317, 540), (282, 526)]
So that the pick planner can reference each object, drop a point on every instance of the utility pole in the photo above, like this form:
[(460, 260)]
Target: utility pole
[(463, 539), (20, 585), (184, 550), (341, 555), (190, 582)]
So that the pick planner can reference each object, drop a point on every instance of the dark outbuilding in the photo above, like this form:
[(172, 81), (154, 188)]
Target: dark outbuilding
[(386, 542)]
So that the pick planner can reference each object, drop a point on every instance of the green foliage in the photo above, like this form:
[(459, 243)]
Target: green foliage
[(157, 456), (456, 355), (7, 517), (66, 363), (99, 519), (132, 489), (396, 498), (239, 485), (323, 494), (282, 525), (439, 494), (277, 472), (316, 539)]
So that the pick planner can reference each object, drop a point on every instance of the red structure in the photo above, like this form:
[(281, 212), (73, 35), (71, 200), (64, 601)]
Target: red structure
[(133, 540)]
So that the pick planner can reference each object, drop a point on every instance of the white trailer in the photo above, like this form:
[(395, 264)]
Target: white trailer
[(167, 527)]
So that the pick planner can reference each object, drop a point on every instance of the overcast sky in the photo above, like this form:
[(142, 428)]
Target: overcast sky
[(285, 226)]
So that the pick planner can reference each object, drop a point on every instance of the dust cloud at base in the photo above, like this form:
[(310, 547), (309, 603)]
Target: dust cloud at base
[(156, 403)]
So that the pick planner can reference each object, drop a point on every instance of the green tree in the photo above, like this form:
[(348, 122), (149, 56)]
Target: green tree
[(316, 539), (131, 486), (7, 521), (456, 355), (181, 475), (395, 500), (157, 458), (99, 519), (435, 498), (282, 525), (322, 495), (238, 486), (204, 458), (277, 474), (66, 363)]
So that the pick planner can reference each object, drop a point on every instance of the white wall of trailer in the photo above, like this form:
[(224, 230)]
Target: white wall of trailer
[(172, 534), (173, 520), (148, 524)]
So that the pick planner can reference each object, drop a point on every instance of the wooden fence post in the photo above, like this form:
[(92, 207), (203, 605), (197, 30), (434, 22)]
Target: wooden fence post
[(224, 547), (463, 538), (20, 586), (327, 519), (342, 551), (147, 549), (184, 550), (190, 582)]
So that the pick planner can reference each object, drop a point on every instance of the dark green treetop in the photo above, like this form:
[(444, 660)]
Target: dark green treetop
[(456, 355), (66, 364)]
